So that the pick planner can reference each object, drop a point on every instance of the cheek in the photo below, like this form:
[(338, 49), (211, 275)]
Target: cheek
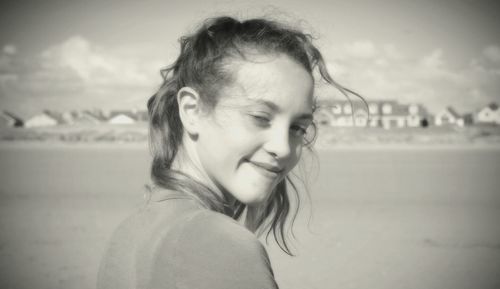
[(294, 157), (297, 155), (236, 134), (228, 142)]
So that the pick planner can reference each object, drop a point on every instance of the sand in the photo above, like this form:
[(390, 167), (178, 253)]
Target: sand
[(382, 218)]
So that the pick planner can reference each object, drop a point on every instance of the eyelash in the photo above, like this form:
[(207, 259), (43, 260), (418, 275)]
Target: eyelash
[(264, 121), (260, 120), (300, 130)]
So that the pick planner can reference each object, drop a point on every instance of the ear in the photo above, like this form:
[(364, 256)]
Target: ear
[(189, 103)]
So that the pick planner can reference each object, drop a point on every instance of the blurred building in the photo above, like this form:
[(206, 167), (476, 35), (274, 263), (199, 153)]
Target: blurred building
[(386, 114), (9, 119), (44, 119), (489, 114), (122, 117)]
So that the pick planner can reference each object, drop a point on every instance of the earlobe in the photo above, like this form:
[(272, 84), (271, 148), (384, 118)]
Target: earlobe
[(188, 100)]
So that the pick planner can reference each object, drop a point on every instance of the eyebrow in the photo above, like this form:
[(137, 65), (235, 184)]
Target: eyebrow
[(274, 107)]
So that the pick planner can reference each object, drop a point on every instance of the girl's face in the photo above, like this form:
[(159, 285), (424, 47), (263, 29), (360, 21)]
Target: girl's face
[(254, 135)]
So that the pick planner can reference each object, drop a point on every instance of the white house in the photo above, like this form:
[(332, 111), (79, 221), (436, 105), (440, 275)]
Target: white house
[(448, 116), (387, 114), (417, 114), (121, 117), (341, 114), (43, 119), (488, 114), (393, 114)]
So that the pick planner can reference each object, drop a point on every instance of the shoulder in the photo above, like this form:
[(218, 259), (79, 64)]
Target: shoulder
[(210, 233), (214, 249), (212, 226)]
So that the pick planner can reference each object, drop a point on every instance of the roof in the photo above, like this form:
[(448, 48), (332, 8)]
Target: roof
[(128, 113), (397, 108), (97, 114), (55, 115), (12, 116), (422, 110), (452, 111), (493, 106)]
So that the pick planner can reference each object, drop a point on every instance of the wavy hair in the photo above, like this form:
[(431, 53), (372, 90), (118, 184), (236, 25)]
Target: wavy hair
[(202, 64)]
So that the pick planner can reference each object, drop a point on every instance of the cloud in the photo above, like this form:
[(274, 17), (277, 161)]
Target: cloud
[(95, 65), (386, 72), (492, 53), (78, 73), (77, 55), (9, 49), (392, 52), (433, 67), (361, 49), (434, 60)]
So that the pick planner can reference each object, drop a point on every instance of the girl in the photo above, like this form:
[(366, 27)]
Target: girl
[(227, 125)]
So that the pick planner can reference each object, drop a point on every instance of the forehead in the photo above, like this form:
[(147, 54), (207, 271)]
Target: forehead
[(273, 79)]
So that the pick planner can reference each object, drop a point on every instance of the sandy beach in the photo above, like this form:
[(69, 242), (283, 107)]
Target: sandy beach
[(383, 217)]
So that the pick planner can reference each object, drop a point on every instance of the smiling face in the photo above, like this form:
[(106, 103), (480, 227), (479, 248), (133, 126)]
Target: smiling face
[(254, 135)]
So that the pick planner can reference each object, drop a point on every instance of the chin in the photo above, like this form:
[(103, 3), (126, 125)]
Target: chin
[(252, 189), (254, 198)]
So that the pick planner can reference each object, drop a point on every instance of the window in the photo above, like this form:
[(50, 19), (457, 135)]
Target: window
[(347, 108), (373, 108), (413, 109), (337, 109), (387, 109)]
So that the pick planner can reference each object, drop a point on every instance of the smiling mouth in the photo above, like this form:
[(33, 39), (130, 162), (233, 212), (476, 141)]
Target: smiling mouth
[(267, 169)]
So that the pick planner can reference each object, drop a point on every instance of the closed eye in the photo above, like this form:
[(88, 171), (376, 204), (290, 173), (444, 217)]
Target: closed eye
[(260, 120)]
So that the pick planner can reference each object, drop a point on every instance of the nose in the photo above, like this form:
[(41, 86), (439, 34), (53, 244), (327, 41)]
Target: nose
[(278, 143)]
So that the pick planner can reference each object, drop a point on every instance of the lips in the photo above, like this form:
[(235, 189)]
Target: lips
[(269, 169)]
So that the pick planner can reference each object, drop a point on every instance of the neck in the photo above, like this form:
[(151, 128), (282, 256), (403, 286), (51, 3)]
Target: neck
[(253, 218), (187, 162)]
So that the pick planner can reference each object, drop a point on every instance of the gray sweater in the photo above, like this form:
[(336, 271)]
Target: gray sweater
[(176, 243)]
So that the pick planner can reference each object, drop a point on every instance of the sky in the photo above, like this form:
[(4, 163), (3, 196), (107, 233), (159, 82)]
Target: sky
[(65, 54)]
